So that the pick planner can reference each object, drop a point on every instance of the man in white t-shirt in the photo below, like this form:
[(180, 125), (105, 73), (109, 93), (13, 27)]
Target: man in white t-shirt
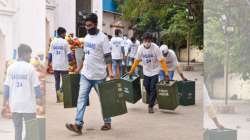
[(59, 56), (126, 43), (152, 60), (172, 63), (133, 48), (21, 89), (93, 70), (117, 52)]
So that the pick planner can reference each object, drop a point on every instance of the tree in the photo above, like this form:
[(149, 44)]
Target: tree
[(169, 19)]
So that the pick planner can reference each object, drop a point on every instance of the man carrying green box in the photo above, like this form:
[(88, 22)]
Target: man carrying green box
[(151, 57), (172, 63), (93, 70)]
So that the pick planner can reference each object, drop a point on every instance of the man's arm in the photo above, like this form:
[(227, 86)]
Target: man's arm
[(165, 68), (6, 94), (108, 60), (38, 94), (178, 68), (80, 67), (135, 64)]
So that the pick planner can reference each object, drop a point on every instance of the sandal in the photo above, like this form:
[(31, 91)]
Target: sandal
[(106, 126)]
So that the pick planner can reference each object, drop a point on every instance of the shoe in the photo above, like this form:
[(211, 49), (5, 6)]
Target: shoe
[(74, 128), (106, 126), (59, 96), (151, 110)]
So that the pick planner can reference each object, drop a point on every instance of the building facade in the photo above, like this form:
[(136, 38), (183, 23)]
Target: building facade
[(19, 25)]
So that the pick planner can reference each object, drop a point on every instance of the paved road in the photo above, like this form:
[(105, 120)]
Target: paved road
[(137, 124), (240, 120)]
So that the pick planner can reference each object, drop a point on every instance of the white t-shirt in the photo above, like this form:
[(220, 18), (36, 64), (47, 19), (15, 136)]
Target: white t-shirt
[(134, 48), (21, 79), (126, 44), (150, 59), (94, 66), (116, 47), (59, 49), (171, 60)]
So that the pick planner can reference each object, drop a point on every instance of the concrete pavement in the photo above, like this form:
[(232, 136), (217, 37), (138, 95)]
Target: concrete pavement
[(137, 124)]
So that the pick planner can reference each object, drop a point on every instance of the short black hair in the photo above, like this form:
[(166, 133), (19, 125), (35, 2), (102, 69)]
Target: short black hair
[(92, 17), (117, 32), (147, 35), (23, 50), (133, 39), (61, 31)]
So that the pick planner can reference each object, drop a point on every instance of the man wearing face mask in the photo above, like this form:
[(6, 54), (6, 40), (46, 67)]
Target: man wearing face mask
[(59, 56), (150, 55), (93, 70), (172, 63)]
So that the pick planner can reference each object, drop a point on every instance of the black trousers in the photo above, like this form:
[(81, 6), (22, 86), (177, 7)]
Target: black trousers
[(58, 75), (150, 86)]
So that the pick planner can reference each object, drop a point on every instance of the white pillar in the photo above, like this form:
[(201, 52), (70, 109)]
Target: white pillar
[(66, 15), (98, 9), (30, 25)]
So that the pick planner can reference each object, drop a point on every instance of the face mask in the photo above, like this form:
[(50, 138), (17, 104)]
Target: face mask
[(92, 31), (165, 54), (147, 45)]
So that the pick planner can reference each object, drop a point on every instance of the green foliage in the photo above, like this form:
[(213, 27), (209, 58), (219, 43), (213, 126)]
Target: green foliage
[(170, 19), (215, 40)]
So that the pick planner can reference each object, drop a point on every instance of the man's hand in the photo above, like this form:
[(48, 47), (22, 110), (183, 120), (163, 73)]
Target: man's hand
[(77, 70), (40, 110), (130, 73), (111, 76), (167, 78), (220, 126), (183, 78)]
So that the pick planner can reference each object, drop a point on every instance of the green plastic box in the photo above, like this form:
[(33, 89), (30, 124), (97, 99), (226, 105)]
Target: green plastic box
[(220, 134), (131, 88), (167, 95), (186, 91), (112, 98), (70, 86), (35, 129)]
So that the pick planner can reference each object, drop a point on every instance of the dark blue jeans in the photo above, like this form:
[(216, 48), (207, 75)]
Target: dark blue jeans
[(58, 75), (150, 86)]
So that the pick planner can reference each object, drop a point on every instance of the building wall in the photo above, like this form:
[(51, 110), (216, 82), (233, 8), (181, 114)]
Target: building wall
[(16, 27), (66, 15), (31, 31), (195, 53), (113, 19), (236, 87)]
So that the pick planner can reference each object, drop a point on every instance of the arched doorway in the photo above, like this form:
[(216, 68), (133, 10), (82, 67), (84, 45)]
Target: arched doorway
[(2, 59)]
